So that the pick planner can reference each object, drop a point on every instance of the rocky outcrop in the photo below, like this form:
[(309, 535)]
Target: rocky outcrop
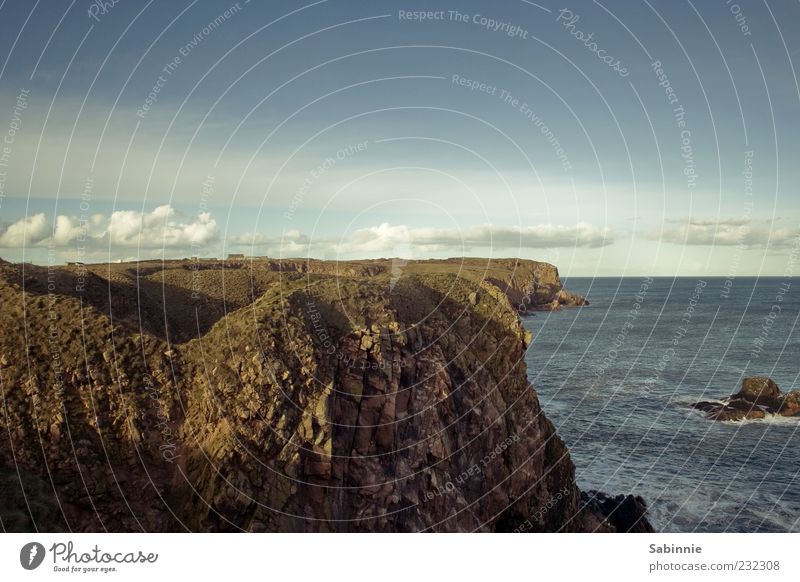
[(758, 398), (621, 514), (562, 299), (533, 286), (759, 390), (328, 402)]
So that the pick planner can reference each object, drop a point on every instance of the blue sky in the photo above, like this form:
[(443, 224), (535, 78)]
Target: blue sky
[(353, 130)]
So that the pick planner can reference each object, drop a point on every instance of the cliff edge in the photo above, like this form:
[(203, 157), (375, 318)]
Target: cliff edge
[(283, 396)]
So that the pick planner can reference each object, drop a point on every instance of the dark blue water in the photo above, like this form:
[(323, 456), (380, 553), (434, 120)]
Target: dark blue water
[(617, 382)]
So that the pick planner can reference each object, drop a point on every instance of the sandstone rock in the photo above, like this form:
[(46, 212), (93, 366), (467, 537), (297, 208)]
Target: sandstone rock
[(789, 404), (569, 299), (759, 389), (366, 342), (528, 338)]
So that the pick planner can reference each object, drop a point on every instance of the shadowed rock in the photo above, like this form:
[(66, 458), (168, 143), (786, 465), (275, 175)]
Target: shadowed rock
[(620, 514)]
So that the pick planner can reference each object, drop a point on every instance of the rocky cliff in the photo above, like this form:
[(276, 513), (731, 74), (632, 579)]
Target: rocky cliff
[(283, 396)]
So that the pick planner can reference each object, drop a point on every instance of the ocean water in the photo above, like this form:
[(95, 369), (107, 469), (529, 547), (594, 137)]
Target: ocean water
[(618, 382)]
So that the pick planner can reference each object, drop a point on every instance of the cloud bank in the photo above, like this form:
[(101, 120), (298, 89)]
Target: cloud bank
[(166, 230), (163, 228), (726, 232), (402, 240)]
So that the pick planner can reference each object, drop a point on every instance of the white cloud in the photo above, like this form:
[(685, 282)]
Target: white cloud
[(384, 238), (67, 229), (25, 232), (725, 232), (387, 237), (293, 242), (160, 228), (164, 227), (166, 231), (582, 234), (402, 240)]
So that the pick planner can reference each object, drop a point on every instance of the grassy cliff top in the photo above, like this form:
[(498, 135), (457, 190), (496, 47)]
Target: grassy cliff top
[(181, 299)]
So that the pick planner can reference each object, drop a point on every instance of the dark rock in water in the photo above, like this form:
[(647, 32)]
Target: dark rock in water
[(620, 514), (732, 410), (759, 397)]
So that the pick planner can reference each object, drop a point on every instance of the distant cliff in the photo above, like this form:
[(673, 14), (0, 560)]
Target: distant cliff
[(283, 396)]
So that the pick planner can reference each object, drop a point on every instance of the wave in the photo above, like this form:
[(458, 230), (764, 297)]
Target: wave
[(774, 419)]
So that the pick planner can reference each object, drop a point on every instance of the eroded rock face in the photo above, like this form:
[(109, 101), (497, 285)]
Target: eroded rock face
[(329, 403), (533, 286), (758, 398)]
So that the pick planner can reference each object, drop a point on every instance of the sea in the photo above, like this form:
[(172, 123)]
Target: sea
[(618, 379)]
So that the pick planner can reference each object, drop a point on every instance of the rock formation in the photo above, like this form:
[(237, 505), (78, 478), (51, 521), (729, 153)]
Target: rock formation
[(758, 398), (282, 396), (623, 513)]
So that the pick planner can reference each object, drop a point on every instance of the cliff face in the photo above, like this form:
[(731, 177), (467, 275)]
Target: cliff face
[(312, 397)]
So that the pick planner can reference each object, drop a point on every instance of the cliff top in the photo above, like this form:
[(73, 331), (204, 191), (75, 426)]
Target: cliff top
[(181, 299)]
